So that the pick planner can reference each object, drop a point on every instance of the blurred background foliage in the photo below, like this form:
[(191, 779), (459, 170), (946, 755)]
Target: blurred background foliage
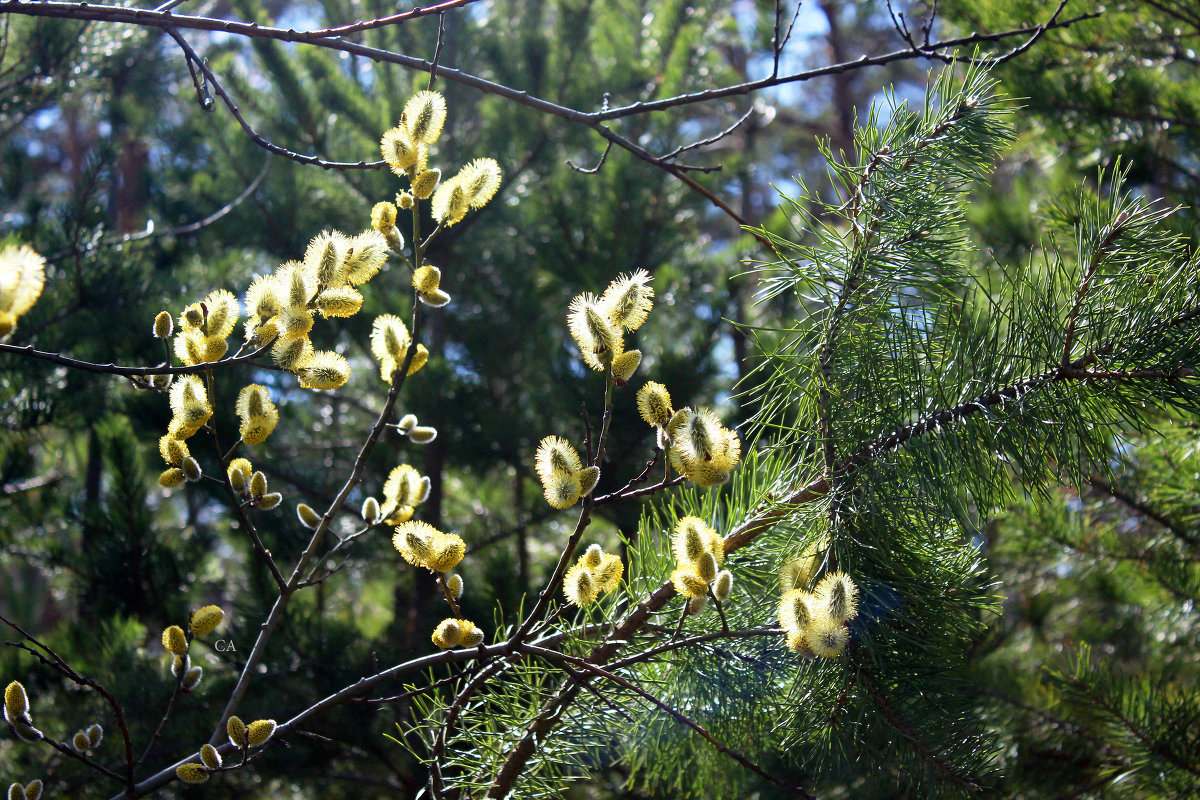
[(102, 138)]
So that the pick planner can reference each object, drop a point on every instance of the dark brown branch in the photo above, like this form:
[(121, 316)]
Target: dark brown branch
[(599, 164), (129, 372), (437, 50), (395, 19), (324, 38)]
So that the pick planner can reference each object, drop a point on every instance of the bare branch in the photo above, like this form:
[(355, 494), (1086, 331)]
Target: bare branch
[(130, 372)]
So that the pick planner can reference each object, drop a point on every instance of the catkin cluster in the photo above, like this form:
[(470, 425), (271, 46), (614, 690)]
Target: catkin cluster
[(242, 736), (598, 324), (564, 478), (405, 148), (698, 446), (595, 573), (22, 273), (815, 622), (699, 553), (177, 642)]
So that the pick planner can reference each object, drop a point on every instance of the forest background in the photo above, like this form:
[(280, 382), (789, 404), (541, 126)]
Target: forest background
[(140, 197)]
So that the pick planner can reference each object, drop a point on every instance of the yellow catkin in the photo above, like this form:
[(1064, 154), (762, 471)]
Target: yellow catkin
[(260, 731), (236, 730), (191, 773), (174, 640), (205, 620)]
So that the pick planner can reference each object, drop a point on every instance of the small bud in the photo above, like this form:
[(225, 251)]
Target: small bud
[(425, 182), (404, 200), (593, 556), (259, 731), (33, 790), (179, 665), (191, 679), (191, 773), (80, 742), (192, 317), (191, 469), (423, 494), (308, 518), (706, 567), (205, 620), (163, 325), (724, 585), (175, 640), (625, 365), (407, 422), (26, 732), (160, 382), (258, 484), (454, 585), (239, 474), (435, 299), (170, 478), (210, 756), (427, 279), (95, 735), (587, 480), (696, 604), (15, 792), (236, 730), (422, 434), (268, 501), (370, 511), (16, 702)]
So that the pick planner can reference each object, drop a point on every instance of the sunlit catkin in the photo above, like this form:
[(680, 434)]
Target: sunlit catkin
[(425, 182), (479, 180), (625, 365), (579, 586), (556, 454), (163, 325), (22, 274), (628, 300), (654, 404), (449, 203), (370, 511), (424, 115), (325, 369), (325, 258), (257, 413), (723, 585), (839, 595), (448, 633), (308, 517), (598, 339), (341, 301), (366, 256), (399, 150), (688, 583)]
